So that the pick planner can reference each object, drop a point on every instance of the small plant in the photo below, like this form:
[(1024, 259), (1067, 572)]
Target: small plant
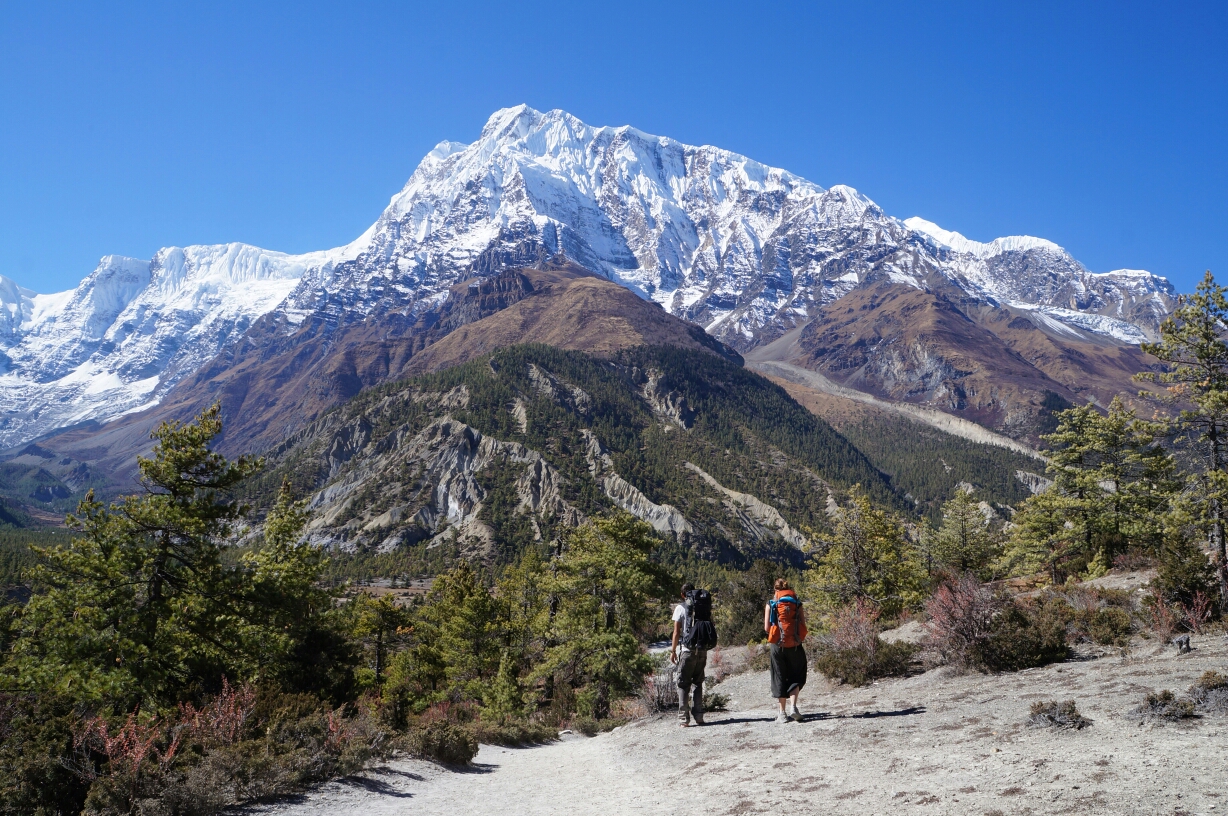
[(1110, 627), (1052, 714), (1210, 693), (853, 653), (1165, 706), (1197, 613), (715, 701), (444, 742), (758, 658), (1164, 621)]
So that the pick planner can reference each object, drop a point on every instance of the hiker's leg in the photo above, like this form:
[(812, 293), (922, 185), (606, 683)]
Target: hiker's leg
[(701, 666), (686, 667)]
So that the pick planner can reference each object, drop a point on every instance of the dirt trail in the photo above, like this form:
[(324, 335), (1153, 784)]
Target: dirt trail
[(931, 744)]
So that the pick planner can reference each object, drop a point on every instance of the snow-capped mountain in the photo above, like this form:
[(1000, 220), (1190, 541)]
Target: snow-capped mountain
[(131, 330), (747, 251)]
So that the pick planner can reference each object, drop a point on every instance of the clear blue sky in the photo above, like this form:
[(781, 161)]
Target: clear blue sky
[(124, 128)]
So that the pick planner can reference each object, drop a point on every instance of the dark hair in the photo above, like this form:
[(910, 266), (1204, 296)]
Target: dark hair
[(687, 587), (781, 583)]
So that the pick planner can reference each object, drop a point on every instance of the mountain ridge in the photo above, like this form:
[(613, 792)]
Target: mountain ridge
[(745, 250)]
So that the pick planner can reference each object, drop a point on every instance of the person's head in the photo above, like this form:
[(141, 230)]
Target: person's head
[(687, 587), (781, 583)]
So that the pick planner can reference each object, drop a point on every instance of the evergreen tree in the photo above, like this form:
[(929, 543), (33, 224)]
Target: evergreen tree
[(380, 626), (1115, 480), (1041, 539), (604, 588), (139, 607), (965, 541), (1192, 344), (867, 557)]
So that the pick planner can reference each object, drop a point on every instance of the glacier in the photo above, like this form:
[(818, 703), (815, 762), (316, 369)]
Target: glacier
[(746, 250)]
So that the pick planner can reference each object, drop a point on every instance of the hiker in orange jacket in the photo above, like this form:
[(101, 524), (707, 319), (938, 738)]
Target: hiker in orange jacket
[(784, 620)]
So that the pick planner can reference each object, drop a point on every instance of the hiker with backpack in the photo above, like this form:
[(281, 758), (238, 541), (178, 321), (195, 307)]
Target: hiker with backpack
[(784, 620), (694, 635)]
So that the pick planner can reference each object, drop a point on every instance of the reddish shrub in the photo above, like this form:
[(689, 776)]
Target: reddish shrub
[(961, 617), (221, 720)]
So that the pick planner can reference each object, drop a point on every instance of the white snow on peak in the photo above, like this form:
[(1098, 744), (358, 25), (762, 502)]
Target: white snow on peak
[(957, 242), (715, 237)]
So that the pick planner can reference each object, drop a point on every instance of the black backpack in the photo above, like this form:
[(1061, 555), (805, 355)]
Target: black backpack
[(698, 631)]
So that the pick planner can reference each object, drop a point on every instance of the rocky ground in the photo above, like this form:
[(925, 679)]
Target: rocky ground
[(935, 743)]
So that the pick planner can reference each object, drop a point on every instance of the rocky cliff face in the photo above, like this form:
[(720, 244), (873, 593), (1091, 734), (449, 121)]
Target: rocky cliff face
[(508, 451)]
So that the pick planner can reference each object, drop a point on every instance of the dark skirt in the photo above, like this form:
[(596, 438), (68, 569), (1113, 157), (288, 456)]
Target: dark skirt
[(788, 670)]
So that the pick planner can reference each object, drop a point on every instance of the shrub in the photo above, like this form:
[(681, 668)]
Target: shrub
[(659, 694), (1210, 693), (1022, 638), (759, 658), (35, 733), (590, 727), (443, 741), (715, 701), (960, 620), (853, 653), (1053, 714), (1165, 706), (513, 733), (1110, 627)]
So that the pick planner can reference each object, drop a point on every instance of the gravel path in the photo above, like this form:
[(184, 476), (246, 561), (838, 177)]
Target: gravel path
[(931, 744)]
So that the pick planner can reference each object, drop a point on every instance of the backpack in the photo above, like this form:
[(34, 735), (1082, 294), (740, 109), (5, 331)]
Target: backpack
[(786, 627), (697, 629)]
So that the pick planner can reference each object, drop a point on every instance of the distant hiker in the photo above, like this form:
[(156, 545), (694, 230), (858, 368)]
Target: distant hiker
[(694, 635), (784, 620)]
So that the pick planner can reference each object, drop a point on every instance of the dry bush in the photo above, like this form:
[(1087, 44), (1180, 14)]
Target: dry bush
[(1163, 620), (718, 665), (1052, 714), (852, 651), (1165, 706), (1133, 560), (960, 621), (659, 693), (1210, 693), (1196, 614), (971, 627), (237, 747)]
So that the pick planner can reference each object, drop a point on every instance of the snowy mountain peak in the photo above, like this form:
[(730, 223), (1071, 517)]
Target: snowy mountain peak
[(747, 250), (958, 243)]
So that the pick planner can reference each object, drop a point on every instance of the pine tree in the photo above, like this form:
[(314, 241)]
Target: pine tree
[(1114, 478), (965, 541), (1192, 344), (139, 607), (1041, 539), (867, 556), (605, 589)]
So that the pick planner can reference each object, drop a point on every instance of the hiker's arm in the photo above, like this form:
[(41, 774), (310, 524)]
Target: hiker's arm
[(673, 649), (767, 618)]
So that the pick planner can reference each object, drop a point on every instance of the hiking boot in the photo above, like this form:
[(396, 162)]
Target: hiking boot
[(782, 717), (795, 715), (699, 719)]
